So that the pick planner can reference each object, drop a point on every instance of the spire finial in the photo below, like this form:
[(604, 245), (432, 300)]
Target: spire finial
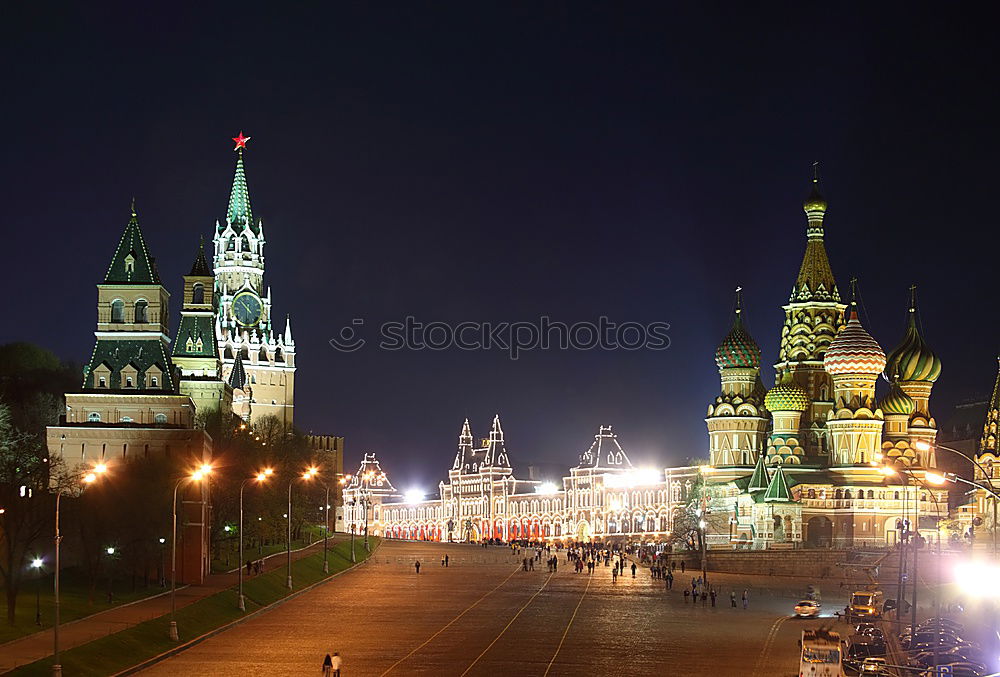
[(241, 142), (816, 171), (913, 298), (854, 295), (739, 300), (132, 208)]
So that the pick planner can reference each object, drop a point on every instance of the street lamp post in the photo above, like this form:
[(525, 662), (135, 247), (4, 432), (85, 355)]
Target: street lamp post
[(307, 475), (111, 594), (88, 478), (36, 564), (196, 476), (259, 478)]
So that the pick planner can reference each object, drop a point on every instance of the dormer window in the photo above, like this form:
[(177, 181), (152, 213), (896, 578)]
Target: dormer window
[(94, 417), (129, 264), (199, 344), (128, 382)]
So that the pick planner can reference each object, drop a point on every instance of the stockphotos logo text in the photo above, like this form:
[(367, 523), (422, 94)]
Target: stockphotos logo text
[(512, 337)]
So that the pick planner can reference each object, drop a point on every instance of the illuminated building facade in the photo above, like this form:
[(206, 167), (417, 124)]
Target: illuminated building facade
[(604, 498)]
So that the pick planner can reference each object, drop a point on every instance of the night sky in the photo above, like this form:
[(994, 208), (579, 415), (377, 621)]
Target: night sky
[(500, 162)]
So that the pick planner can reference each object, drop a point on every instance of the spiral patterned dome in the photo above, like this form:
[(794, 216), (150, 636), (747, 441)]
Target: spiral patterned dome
[(854, 351), (738, 349), (786, 396), (912, 359), (897, 402)]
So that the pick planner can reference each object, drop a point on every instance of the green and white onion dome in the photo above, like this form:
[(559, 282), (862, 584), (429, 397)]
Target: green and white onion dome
[(854, 351), (897, 402), (913, 360), (738, 349), (786, 396)]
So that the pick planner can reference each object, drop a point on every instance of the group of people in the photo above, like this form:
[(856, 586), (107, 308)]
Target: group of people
[(255, 567)]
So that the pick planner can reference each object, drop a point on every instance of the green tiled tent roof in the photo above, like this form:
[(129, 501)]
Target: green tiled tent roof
[(239, 213), (778, 490), (195, 326), (759, 481), (200, 268), (131, 263), (238, 376), (141, 354)]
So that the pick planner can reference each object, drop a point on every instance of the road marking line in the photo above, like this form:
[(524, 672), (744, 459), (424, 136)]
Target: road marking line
[(511, 622), (566, 631), (762, 659), (449, 623)]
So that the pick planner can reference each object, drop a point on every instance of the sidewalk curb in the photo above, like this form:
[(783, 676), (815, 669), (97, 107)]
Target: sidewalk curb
[(149, 662)]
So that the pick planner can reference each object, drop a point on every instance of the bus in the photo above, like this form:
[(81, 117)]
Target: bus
[(865, 604), (822, 654)]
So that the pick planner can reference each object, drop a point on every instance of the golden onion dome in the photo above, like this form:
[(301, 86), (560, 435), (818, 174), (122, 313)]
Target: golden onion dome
[(786, 395), (815, 202)]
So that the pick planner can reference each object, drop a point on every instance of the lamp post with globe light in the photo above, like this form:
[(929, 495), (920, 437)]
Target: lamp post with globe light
[(36, 564), (196, 476), (307, 475), (86, 479), (260, 478)]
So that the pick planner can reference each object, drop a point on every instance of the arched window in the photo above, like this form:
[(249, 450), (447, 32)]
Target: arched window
[(160, 418), (141, 312), (847, 493), (94, 417), (811, 493), (126, 419), (128, 382), (245, 353), (838, 494), (895, 495), (871, 494), (198, 293), (118, 311)]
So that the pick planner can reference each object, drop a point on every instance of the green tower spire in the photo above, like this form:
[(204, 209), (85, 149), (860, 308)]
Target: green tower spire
[(131, 263), (759, 481), (239, 213)]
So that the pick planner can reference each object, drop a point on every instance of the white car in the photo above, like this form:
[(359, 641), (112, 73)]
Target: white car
[(807, 608), (874, 666)]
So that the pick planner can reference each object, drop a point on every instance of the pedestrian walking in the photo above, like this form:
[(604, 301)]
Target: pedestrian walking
[(687, 594), (328, 666), (248, 567), (442, 561), (614, 575), (416, 565), (446, 560), (704, 597), (732, 598), (335, 664), (633, 569), (713, 594), (682, 566), (746, 598)]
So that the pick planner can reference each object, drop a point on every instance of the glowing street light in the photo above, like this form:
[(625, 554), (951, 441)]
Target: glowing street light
[(546, 488), (36, 564), (260, 478), (414, 495), (308, 475), (195, 476), (86, 478)]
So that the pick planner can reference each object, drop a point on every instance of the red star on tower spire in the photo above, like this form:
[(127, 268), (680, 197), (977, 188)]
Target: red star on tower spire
[(241, 141)]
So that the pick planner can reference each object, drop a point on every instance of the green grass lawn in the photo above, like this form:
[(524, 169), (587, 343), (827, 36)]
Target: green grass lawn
[(121, 650), (227, 554), (75, 598)]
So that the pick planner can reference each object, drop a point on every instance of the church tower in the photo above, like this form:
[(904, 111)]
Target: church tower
[(813, 316), (195, 351), (988, 456), (244, 323), (854, 360), (916, 368), (737, 421), (133, 323)]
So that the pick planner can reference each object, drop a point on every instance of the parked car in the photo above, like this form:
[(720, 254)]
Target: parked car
[(873, 666), (807, 608)]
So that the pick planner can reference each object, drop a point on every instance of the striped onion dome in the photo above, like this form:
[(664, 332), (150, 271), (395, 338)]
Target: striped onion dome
[(854, 351), (913, 360), (738, 349), (786, 396), (897, 402)]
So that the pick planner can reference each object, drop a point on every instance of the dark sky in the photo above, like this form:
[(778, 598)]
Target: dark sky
[(490, 162)]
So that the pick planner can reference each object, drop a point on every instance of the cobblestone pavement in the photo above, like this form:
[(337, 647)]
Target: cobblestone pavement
[(482, 615)]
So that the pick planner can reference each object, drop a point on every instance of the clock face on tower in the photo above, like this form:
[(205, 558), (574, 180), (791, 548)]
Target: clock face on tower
[(247, 308)]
